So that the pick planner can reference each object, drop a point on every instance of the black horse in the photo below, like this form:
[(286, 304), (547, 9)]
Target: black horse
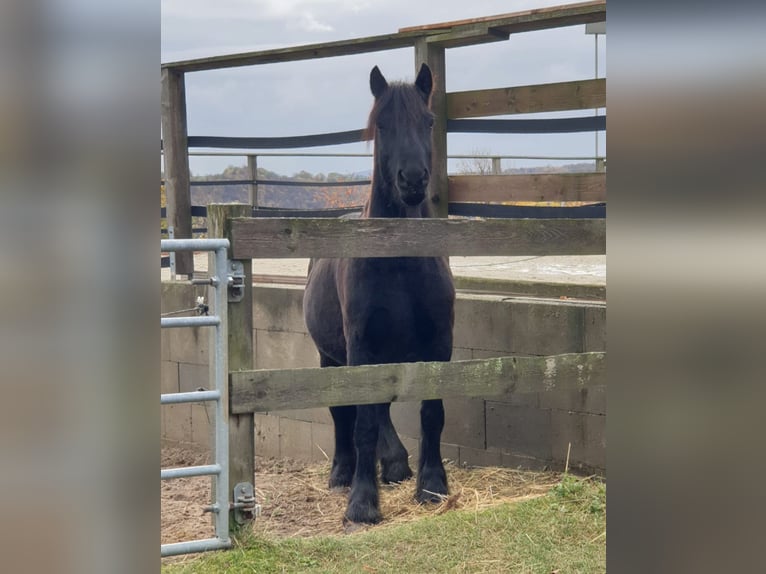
[(386, 310)]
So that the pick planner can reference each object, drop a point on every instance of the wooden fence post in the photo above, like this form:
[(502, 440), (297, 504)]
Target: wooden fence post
[(433, 55), (175, 151), (252, 168), (240, 342)]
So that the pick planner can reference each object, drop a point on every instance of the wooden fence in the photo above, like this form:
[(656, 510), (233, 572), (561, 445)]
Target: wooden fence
[(252, 391), (454, 112)]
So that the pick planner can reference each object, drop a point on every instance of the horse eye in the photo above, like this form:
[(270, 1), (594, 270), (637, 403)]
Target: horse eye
[(430, 122)]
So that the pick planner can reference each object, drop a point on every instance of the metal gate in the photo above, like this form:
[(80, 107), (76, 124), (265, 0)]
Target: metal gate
[(218, 280)]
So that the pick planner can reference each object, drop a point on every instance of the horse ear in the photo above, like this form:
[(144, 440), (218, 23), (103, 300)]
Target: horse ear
[(378, 83), (424, 82)]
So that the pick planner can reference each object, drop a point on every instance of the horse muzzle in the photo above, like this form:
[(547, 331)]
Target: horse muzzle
[(412, 188), (413, 197)]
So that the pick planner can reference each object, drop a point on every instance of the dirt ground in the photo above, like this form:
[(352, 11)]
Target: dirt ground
[(295, 500)]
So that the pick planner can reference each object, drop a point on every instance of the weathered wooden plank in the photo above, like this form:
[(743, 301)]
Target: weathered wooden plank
[(176, 158), (453, 34), (240, 356), (467, 36), (282, 142), (321, 237), (559, 96), (252, 168), (274, 390), (438, 190), (536, 19), (295, 53), (528, 187)]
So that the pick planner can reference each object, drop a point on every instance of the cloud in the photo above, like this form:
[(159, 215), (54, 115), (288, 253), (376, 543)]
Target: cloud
[(332, 94), (309, 23)]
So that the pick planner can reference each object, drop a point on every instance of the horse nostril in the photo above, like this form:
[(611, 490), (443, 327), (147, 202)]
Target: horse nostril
[(412, 177)]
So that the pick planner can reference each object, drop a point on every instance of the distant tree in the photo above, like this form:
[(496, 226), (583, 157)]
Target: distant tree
[(480, 165)]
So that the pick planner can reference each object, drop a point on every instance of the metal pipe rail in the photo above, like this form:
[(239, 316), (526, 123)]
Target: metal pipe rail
[(219, 470), (193, 244), (189, 471), (190, 397), (175, 322), (203, 545)]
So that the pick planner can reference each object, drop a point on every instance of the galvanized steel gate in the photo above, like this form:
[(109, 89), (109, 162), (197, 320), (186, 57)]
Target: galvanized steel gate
[(218, 280)]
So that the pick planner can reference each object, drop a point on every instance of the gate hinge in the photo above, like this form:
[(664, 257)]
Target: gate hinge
[(244, 506), (236, 281)]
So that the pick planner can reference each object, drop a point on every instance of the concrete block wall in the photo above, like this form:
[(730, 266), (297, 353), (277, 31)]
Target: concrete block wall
[(529, 431), (185, 363)]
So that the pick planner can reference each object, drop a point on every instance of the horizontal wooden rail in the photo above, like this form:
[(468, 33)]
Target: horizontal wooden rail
[(274, 390), (580, 95), (295, 53), (284, 142), (503, 126), (505, 211), (294, 238), (528, 187), (446, 34), (542, 126), (280, 182), (534, 19)]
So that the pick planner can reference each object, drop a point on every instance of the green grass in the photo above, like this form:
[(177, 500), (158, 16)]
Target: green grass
[(564, 530)]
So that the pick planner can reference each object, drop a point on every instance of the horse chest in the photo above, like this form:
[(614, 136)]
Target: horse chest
[(400, 311)]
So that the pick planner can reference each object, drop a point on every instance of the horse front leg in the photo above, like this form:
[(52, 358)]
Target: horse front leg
[(344, 458), (391, 452), (363, 503), (344, 418), (432, 478)]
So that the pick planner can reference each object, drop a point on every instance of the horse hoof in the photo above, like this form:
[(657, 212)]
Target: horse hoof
[(340, 479), (395, 472), (432, 489), (361, 514), (430, 497), (340, 483)]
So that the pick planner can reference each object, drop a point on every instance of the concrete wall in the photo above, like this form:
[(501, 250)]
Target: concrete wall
[(530, 431)]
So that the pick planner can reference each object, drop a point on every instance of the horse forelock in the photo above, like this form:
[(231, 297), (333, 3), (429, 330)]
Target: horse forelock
[(404, 97)]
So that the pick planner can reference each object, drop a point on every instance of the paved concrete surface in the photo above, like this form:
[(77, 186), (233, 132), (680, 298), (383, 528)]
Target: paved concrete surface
[(576, 276)]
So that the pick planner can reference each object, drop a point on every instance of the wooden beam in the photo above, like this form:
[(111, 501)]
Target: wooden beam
[(274, 390), (252, 168), (537, 19), (459, 33), (579, 95), (434, 56), (468, 36), (295, 53), (528, 187), (176, 160), (240, 354), (322, 237)]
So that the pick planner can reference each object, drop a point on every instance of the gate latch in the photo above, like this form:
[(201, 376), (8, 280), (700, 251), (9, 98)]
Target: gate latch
[(236, 281), (245, 508)]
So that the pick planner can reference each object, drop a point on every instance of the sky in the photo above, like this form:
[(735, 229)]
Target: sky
[(332, 94)]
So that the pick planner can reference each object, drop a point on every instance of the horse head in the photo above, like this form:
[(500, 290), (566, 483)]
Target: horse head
[(401, 124)]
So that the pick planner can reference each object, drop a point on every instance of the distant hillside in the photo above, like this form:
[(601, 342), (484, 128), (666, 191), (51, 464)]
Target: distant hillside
[(292, 196), (318, 197), (584, 167)]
